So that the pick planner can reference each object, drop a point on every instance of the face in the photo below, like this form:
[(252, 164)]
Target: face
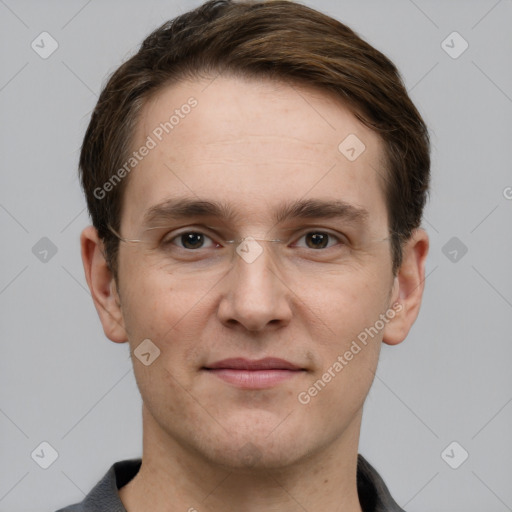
[(255, 148)]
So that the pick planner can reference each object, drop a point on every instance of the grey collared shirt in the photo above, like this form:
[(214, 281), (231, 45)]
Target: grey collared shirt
[(104, 497)]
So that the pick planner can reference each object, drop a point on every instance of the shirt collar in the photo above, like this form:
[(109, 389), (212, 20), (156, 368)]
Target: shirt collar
[(373, 494)]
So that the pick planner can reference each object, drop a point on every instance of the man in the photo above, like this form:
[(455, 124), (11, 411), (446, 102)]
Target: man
[(256, 176)]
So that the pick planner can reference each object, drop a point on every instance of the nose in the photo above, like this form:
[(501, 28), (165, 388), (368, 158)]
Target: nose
[(254, 293)]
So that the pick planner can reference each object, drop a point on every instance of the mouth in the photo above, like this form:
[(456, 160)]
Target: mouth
[(254, 374)]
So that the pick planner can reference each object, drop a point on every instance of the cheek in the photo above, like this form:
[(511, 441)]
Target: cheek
[(347, 363), (166, 394), (152, 300), (345, 303), (347, 311), (172, 316)]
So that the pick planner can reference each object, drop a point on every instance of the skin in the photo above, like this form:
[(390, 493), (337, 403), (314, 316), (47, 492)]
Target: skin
[(208, 444)]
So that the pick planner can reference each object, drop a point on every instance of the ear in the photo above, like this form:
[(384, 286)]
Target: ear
[(408, 288), (102, 285)]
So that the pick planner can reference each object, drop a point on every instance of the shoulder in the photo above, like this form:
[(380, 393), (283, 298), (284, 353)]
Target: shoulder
[(104, 497), (373, 493)]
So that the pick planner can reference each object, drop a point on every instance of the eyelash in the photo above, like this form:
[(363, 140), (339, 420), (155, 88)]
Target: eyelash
[(170, 241)]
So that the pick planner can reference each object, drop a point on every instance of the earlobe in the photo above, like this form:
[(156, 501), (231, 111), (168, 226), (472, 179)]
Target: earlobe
[(102, 286), (408, 288)]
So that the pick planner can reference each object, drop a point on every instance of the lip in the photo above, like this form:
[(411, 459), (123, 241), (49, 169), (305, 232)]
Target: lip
[(240, 363), (254, 374)]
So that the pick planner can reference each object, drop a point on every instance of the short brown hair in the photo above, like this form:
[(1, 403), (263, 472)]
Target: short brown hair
[(281, 40)]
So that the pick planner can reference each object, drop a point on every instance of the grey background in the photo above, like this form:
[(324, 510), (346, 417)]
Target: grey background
[(64, 383)]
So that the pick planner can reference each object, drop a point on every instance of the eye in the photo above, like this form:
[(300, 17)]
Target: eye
[(190, 240), (320, 240)]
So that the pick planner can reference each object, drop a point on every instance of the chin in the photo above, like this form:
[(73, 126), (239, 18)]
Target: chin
[(251, 457), (259, 447)]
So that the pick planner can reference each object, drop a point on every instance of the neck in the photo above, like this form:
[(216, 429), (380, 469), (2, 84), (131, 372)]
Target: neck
[(173, 477)]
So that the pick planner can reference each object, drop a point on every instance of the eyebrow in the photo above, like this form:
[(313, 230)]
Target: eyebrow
[(183, 208)]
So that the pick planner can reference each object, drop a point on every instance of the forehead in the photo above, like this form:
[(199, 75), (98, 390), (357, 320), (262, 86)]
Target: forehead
[(253, 144)]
